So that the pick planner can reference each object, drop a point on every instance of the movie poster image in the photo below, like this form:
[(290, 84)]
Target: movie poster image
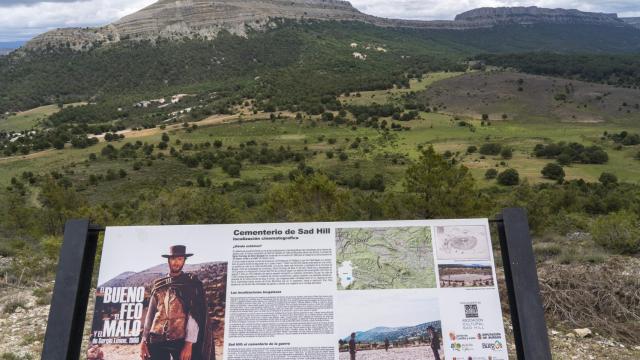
[(169, 293)]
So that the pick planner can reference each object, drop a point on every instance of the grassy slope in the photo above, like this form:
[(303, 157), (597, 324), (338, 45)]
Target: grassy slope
[(534, 98), (26, 120), (438, 129)]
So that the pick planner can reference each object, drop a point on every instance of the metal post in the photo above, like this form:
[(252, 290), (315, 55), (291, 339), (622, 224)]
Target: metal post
[(527, 313), (65, 326)]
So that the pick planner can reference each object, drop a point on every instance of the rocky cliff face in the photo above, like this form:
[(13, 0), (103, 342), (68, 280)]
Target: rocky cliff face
[(177, 19), (536, 15)]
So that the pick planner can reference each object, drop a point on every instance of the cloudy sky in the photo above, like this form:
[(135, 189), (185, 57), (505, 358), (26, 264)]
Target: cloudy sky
[(22, 19)]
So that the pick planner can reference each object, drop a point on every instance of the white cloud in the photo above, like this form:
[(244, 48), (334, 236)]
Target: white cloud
[(19, 22), (447, 10), (23, 19)]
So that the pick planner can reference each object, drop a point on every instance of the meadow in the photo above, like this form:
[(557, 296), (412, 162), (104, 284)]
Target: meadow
[(378, 152)]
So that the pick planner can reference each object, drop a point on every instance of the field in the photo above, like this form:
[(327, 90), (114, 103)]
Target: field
[(28, 119), (532, 98), (390, 95), (377, 153)]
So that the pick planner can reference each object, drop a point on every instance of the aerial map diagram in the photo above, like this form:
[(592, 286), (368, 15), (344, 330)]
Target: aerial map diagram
[(385, 258), (462, 243)]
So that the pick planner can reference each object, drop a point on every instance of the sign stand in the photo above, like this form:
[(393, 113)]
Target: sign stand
[(63, 338)]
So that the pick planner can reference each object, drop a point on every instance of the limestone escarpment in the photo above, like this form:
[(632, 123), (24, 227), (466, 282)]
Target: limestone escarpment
[(177, 19), (536, 15)]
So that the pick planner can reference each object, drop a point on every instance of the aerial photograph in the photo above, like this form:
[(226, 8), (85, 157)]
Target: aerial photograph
[(185, 112)]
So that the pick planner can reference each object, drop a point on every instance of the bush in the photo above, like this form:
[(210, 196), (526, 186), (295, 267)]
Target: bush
[(618, 232), (506, 153), (608, 179), (509, 177), (554, 172), (490, 149), (471, 149), (491, 174), (567, 153), (13, 305), (544, 251), (343, 156)]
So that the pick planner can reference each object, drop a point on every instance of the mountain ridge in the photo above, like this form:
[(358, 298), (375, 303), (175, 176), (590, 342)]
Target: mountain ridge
[(171, 19), (633, 21)]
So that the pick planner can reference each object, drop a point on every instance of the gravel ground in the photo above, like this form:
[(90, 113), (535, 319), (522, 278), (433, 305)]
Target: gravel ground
[(414, 353)]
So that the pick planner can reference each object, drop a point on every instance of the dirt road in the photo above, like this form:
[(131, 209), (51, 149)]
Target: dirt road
[(132, 134)]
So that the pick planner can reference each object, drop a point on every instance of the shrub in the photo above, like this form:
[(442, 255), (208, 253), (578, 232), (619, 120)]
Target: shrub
[(545, 250), (13, 305), (509, 177), (618, 232), (506, 153), (490, 149), (608, 179), (491, 174), (472, 149), (553, 171), (343, 156)]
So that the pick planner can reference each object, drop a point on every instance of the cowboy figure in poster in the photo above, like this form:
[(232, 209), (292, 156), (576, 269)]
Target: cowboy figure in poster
[(175, 322)]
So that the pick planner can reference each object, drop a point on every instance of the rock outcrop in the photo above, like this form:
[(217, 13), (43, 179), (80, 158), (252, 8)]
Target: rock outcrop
[(177, 19), (536, 15)]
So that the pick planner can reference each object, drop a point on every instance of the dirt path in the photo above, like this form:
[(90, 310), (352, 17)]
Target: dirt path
[(211, 120), (132, 134), (4, 160)]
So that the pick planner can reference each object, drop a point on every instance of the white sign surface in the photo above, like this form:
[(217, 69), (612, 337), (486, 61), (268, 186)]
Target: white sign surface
[(397, 290)]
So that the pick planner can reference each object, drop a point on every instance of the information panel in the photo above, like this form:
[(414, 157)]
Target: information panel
[(397, 290)]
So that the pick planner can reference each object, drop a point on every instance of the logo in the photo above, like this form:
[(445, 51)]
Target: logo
[(495, 346), (471, 311)]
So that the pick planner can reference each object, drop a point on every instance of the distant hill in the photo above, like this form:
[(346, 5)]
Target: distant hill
[(379, 334), (173, 19), (8, 46), (292, 54)]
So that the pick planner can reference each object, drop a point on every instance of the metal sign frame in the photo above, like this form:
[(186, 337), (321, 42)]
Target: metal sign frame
[(63, 338)]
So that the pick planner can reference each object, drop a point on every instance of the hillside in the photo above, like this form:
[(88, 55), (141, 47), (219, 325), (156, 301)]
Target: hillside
[(523, 97), (379, 334), (171, 19), (290, 52), (279, 56)]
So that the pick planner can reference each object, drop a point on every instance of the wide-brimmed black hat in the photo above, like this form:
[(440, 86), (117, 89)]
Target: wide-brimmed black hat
[(177, 250)]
